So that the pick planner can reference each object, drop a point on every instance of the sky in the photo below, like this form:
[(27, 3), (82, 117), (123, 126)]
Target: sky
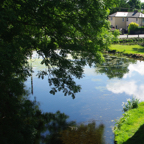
[(142, 0)]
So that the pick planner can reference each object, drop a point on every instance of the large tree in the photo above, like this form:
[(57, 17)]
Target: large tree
[(54, 29), (135, 4)]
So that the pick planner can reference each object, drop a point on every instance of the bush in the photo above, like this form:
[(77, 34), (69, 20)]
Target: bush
[(115, 33), (130, 104), (132, 26)]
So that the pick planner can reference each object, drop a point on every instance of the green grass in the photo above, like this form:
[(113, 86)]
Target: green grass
[(133, 49), (130, 128)]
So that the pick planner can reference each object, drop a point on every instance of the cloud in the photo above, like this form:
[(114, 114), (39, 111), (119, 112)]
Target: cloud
[(128, 87), (96, 79), (138, 67)]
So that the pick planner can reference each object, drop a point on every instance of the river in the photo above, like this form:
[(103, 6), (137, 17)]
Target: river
[(104, 88)]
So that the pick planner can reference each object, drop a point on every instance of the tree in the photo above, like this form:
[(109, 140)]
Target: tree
[(142, 5), (135, 4), (54, 29), (132, 26), (120, 5)]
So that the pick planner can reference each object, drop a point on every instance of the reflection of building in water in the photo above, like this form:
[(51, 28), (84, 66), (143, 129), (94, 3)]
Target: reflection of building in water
[(114, 66)]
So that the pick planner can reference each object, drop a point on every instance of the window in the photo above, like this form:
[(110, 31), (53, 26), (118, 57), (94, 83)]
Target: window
[(116, 27), (127, 19), (143, 20), (136, 19), (111, 18), (122, 19)]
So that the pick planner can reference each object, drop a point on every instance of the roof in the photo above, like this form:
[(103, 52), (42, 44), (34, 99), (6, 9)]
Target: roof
[(127, 14)]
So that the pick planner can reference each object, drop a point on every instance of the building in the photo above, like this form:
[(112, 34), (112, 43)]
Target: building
[(123, 19)]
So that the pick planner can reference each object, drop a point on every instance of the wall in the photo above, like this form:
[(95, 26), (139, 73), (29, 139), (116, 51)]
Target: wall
[(131, 20), (141, 22), (120, 23), (112, 21)]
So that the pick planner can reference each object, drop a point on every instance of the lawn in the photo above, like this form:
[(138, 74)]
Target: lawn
[(133, 49), (130, 128)]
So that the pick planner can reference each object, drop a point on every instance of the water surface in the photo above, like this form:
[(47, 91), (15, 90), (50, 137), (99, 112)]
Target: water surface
[(104, 88)]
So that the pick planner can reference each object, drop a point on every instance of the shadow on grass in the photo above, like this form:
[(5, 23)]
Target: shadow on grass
[(139, 50), (138, 137)]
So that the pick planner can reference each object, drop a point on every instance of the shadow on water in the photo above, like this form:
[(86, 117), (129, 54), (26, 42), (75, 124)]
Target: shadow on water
[(138, 137), (114, 66)]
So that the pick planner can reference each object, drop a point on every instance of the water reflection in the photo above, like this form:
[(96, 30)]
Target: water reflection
[(85, 134), (59, 131), (101, 96), (114, 66), (137, 67)]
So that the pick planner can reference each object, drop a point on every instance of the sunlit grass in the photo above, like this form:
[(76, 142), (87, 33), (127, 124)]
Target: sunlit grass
[(133, 49), (130, 128)]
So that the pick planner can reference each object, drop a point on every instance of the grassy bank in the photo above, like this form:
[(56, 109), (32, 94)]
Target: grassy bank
[(130, 128), (129, 49)]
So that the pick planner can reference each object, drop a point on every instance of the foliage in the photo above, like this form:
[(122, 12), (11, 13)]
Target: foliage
[(127, 127), (128, 49), (142, 5), (125, 6), (116, 33), (54, 29), (130, 104), (120, 5), (132, 26), (135, 4), (125, 40)]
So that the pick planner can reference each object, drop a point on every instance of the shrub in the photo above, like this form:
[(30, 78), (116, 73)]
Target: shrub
[(130, 104), (116, 33), (132, 26)]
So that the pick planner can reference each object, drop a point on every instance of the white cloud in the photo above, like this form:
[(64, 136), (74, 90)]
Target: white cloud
[(138, 67), (128, 87)]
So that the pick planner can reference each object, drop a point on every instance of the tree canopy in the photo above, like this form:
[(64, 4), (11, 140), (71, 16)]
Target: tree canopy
[(54, 29), (126, 6)]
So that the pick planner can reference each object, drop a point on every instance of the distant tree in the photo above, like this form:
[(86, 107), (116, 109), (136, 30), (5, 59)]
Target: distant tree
[(135, 4), (142, 5), (120, 5)]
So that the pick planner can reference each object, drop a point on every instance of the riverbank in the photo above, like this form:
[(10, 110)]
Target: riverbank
[(130, 128), (132, 51), (128, 49)]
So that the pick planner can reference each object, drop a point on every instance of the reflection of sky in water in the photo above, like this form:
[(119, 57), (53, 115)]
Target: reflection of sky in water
[(100, 98), (132, 83)]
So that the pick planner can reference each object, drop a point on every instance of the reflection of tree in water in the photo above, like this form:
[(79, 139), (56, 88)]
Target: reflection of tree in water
[(59, 131), (114, 66), (22, 122), (85, 134)]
